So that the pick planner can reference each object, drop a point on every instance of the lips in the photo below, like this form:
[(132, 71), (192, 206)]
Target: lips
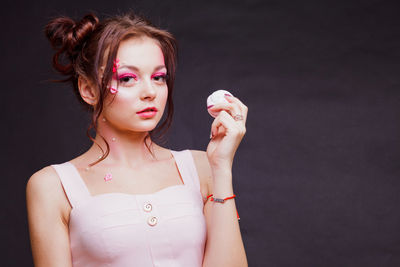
[(149, 109)]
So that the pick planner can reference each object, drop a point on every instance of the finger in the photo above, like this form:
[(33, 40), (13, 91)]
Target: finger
[(243, 108), (234, 111), (216, 127), (224, 123), (231, 108), (231, 124)]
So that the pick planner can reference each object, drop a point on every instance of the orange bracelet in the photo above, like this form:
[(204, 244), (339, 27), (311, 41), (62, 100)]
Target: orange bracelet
[(219, 200)]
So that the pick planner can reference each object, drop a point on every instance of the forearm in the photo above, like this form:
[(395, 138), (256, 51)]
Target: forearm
[(224, 242)]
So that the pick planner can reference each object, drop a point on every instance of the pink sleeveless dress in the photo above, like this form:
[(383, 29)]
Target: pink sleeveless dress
[(166, 228)]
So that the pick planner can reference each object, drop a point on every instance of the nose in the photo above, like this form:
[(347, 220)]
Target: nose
[(148, 91)]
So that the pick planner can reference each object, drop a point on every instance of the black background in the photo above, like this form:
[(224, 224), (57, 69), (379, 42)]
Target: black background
[(317, 174)]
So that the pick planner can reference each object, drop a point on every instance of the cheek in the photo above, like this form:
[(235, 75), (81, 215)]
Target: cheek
[(126, 94), (164, 94), (123, 100), (127, 99), (162, 98)]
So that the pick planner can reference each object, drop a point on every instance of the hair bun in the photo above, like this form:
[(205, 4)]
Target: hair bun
[(84, 28), (68, 36)]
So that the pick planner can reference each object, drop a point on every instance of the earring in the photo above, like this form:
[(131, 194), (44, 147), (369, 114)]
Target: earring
[(113, 90)]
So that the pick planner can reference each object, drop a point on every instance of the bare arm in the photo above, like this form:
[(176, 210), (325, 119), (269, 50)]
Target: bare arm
[(224, 245), (48, 211)]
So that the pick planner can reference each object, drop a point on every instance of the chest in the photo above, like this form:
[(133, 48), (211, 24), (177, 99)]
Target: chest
[(140, 180), (164, 227)]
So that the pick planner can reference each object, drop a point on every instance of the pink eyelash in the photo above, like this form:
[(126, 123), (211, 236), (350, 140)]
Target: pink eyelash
[(127, 75), (158, 74)]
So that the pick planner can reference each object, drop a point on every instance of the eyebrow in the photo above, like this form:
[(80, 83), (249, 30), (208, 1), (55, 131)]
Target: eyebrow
[(131, 67)]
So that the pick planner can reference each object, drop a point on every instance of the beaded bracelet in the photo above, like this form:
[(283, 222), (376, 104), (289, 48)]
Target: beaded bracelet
[(222, 200)]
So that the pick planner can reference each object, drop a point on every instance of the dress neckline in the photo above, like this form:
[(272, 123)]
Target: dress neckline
[(183, 185)]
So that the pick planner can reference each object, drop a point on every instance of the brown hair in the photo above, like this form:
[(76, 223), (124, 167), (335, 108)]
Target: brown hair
[(80, 48)]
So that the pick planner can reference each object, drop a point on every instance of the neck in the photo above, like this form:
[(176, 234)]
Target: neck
[(126, 148)]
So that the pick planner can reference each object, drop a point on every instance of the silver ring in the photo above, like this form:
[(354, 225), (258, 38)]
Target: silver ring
[(238, 117)]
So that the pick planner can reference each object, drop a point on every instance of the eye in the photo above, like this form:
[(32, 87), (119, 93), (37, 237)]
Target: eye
[(160, 77), (127, 78)]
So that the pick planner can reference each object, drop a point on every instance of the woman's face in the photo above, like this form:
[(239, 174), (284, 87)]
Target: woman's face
[(140, 83)]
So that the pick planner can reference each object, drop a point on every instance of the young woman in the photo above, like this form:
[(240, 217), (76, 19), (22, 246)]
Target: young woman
[(128, 201)]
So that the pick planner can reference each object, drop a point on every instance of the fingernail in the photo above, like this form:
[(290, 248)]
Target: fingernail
[(228, 95), (212, 134), (210, 106)]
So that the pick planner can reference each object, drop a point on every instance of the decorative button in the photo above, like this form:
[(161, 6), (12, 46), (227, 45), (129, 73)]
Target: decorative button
[(152, 221), (147, 207)]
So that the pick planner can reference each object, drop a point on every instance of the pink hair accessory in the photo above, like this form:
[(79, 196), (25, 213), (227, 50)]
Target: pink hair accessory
[(116, 65), (113, 90), (108, 177)]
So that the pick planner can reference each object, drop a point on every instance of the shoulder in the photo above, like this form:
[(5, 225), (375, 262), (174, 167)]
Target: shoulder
[(44, 180), (203, 169), (44, 191)]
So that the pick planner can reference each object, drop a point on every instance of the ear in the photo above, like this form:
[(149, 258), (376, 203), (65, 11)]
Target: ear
[(88, 92)]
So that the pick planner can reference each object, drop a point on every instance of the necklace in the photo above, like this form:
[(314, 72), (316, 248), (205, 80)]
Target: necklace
[(108, 176)]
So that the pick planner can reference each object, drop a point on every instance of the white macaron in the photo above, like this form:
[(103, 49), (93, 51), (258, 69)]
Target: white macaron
[(216, 98)]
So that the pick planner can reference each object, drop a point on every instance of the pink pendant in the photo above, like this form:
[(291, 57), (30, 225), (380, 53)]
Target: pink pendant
[(108, 177)]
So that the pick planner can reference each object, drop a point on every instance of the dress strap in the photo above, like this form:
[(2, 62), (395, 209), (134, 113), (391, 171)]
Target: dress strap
[(73, 185), (187, 168)]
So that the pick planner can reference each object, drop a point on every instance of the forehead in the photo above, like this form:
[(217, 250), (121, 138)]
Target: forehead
[(140, 52)]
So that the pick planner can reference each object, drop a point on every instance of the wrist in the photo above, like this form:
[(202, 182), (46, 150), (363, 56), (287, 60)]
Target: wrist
[(222, 185), (222, 168), (221, 163)]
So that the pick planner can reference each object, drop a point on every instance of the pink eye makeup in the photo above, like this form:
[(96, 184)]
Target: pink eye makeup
[(126, 77), (159, 76)]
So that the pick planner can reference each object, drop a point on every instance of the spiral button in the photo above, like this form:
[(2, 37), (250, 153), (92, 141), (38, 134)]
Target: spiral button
[(147, 207), (152, 221)]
